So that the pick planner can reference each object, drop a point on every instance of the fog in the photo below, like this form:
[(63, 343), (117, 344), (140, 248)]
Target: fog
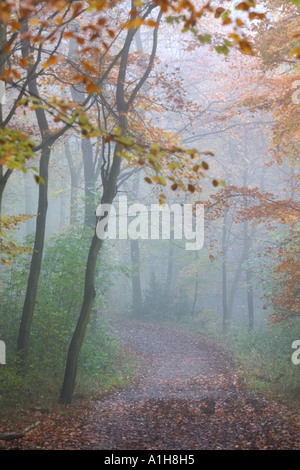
[(150, 254)]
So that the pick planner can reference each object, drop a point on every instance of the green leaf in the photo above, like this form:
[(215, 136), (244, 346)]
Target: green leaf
[(295, 2), (205, 38), (222, 49)]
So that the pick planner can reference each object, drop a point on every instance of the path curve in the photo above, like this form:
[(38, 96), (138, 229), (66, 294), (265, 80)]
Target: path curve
[(187, 397)]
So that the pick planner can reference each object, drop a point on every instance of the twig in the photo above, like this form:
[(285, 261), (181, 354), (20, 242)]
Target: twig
[(17, 435)]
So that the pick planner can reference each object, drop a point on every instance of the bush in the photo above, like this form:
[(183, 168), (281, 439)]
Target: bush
[(264, 358), (59, 299)]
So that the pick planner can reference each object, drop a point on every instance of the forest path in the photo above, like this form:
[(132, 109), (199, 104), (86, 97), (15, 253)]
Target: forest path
[(186, 398)]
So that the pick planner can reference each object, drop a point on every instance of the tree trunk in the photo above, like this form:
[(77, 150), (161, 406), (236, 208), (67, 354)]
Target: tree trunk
[(196, 287), (89, 183), (79, 333), (69, 381), (136, 278), (36, 261), (109, 192), (170, 262), (74, 174), (226, 319), (62, 217), (78, 95), (3, 181), (2, 186), (247, 241), (28, 205)]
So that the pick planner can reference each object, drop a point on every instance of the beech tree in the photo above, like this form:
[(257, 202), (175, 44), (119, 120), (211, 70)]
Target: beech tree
[(35, 40)]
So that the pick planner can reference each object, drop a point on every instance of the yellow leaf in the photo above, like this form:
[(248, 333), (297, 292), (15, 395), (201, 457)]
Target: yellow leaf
[(134, 23), (295, 52), (162, 180), (33, 22), (236, 38)]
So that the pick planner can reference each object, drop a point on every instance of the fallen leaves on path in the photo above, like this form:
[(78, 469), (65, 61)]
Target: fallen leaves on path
[(188, 398)]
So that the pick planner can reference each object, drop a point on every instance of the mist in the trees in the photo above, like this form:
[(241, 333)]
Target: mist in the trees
[(149, 225)]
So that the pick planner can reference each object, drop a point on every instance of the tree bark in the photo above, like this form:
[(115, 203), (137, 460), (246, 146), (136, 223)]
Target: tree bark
[(196, 287), (136, 278), (89, 183), (28, 205), (3, 181), (248, 271), (36, 261), (78, 95), (68, 386), (109, 192), (226, 319), (79, 333), (74, 174)]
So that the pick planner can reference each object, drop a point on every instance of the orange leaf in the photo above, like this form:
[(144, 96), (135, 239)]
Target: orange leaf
[(92, 88), (219, 11), (51, 61)]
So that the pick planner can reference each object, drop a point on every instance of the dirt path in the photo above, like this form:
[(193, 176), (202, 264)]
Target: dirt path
[(187, 398)]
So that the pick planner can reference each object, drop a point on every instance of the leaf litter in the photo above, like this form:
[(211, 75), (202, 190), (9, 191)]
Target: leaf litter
[(187, 397)]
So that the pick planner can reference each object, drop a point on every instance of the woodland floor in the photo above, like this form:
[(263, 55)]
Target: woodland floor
[(187, 397)]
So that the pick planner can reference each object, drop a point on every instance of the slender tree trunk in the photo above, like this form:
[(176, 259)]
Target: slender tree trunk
[(28, 205), (136, 278), (89, 183), (79, 333), (196, 288), (250, 300), (3, 181), (74, 174), (109, 192), (226, 319), (2, 186), (78, 95), (69, 381), (235, 282), (170, 263), (247, 241), (3, 27), (62, 218), (73, 204), (36, 261)]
